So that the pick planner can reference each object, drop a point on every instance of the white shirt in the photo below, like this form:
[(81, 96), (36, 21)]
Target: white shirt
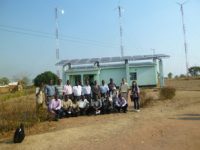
[(83, 104), (77, 90), (67, 89), (87, 89)]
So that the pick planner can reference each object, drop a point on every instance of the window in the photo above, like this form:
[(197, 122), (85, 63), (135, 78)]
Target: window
[(133, 75)]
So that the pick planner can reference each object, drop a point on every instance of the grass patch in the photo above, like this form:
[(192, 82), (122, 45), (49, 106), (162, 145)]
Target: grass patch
[(25, 92), (167, 92), (20, 110)]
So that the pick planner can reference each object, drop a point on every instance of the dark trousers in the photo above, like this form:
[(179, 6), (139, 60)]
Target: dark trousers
[(88, 97), (58, 113), (124, 108), (136, 103)]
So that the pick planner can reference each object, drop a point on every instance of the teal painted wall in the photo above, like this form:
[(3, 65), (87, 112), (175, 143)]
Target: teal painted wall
[(116, 73), (145, 75)]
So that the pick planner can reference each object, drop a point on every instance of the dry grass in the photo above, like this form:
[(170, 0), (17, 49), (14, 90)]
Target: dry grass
[(13, 113), (25, 92), (184, 84), (20, 109), (167, 92), (145, 98)]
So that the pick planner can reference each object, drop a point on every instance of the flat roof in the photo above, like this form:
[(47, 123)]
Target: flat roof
[(115, 65), (110, 59)]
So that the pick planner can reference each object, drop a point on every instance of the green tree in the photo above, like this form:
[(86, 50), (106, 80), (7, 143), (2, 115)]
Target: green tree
[(45, 77), (4, 81), (194, 71), (170, 75)]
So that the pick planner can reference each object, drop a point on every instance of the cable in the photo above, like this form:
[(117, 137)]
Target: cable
[(50, 35)]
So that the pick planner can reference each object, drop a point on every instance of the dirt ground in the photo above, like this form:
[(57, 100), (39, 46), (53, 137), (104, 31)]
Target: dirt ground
[(167, 125)]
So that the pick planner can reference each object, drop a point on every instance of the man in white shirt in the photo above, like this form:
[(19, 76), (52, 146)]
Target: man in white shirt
[(77, 90), (68, 89), (83, 105), (87, 91)]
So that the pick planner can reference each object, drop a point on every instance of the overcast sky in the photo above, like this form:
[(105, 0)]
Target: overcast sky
[(90, 28)]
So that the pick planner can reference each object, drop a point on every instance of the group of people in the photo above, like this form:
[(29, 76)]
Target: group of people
[(65, 101)]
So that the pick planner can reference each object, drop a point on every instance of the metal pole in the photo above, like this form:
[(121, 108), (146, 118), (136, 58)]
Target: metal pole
[(184, 36), (121, 32)]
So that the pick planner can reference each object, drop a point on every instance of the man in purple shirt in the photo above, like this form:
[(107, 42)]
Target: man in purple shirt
[(121, 103), (55, 108)]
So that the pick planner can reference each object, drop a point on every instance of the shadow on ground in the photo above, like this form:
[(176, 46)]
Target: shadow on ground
[(187, 117)]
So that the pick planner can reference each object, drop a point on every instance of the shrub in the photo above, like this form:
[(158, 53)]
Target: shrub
[(145, 100), (167, 92)]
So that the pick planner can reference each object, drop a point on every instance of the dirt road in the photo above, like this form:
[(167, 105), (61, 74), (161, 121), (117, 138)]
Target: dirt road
[(169, 125)]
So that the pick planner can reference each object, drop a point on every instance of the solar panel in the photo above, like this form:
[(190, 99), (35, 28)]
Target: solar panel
[(115, 59), (93, 60), (74, 61), (111, 59), (105, 59), (83, 61)]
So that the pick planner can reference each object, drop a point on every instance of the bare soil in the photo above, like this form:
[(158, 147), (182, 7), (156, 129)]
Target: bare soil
[(167, 125)]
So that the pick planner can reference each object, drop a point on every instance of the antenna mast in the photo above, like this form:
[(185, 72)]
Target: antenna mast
[(184, 35), (121, 31), (57, 38)]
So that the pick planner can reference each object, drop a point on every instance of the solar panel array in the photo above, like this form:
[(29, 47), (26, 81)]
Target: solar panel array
[(110, 59)]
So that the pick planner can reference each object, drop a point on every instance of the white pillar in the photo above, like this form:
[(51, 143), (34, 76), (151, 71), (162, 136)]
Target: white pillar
[(161, 73)]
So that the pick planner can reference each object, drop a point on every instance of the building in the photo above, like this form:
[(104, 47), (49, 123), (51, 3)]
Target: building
[(147, 70)]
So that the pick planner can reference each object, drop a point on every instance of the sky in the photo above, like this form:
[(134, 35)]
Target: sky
[(90, 28)]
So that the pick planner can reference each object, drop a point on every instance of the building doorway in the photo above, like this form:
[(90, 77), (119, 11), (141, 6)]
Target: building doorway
[(89, 77)]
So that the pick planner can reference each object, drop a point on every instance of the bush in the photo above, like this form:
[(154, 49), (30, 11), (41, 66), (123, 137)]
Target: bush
[(145, 100), (167, 92)]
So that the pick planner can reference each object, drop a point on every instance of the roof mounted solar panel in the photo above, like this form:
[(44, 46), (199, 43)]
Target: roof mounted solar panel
[(111, 59), (93, 60), (105, 59)]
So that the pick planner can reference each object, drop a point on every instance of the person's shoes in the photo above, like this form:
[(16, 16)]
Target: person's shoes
[(138, 110), (98, 112)]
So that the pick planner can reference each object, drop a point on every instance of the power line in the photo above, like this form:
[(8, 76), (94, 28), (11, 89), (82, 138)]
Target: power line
[(37, 33)]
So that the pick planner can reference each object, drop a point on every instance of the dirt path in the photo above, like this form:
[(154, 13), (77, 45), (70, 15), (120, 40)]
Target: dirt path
[(164, 125)]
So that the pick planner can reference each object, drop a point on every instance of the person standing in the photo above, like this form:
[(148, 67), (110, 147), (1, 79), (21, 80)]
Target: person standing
[(124, 89), (112, 87), (87, 91), (40, 97), (59, 89), (77, 91), (95, 90), (104, 89), (67, 90), (135, 96), (50, 91)]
